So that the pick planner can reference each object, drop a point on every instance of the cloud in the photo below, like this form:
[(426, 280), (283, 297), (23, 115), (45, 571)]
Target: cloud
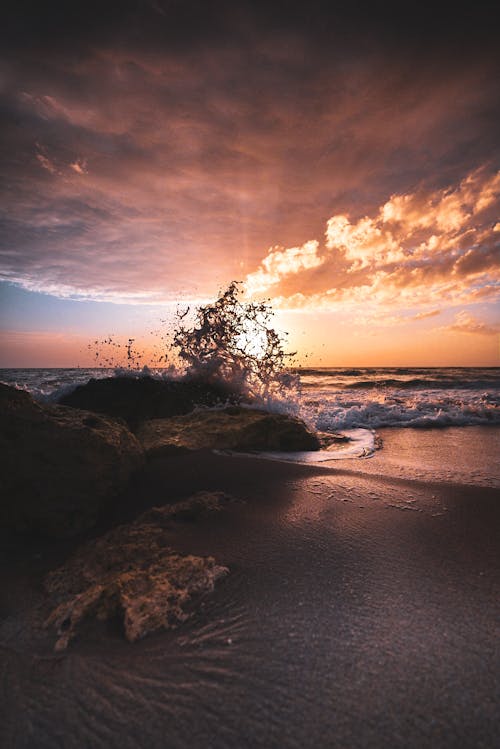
[(363, 243), (466, 323), (282, 262), (79, 166), (46, 163), (162, 151), (425, 315), (417, 226), (417, 249)]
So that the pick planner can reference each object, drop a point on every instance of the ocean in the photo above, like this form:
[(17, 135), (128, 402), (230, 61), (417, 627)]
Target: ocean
[(333, 399), (360, 608), (356, 403)]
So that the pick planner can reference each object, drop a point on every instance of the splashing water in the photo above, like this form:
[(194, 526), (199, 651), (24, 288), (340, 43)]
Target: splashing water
[(127, 356), (229, 343), (232, 342)]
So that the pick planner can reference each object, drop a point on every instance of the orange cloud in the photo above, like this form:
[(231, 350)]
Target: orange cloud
[(467, 323), (282, 262), (164, 168), (425, 315), (417, 250)]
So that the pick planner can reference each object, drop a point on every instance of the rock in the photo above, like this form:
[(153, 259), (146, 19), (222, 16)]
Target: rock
[(133, 574), (330, 440), (137, 399), (62, 466), (232, 428)]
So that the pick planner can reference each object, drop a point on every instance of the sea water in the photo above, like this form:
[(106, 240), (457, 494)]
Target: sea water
[(339, 399), (333, 399)]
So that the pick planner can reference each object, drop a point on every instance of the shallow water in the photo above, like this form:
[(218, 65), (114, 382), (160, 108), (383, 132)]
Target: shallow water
[(360, 610)]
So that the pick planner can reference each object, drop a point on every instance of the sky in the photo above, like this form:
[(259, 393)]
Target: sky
[(342, 159)]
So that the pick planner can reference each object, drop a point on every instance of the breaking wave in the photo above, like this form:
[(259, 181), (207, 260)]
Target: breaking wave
[(231, 343), (334, 412)]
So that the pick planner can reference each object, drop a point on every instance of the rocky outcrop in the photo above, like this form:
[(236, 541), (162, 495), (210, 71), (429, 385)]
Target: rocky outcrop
[(137, 399), (232, 428), (62, 466), (131, 573)]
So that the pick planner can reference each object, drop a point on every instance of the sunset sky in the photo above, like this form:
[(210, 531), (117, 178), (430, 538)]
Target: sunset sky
[(340, 158)]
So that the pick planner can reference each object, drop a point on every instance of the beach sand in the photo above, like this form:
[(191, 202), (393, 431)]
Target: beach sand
[(361, 610)]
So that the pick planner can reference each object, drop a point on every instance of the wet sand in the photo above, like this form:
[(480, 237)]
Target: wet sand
[(361, 610)]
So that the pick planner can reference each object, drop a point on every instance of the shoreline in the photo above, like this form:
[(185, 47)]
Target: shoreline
[(359, 610)]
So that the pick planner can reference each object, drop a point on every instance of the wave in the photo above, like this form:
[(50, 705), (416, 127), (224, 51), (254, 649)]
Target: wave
[(322, 404), (231, 343), (426, 412), (361, 443), (424, 383), (50, 385), (329, 371), (390, 379)]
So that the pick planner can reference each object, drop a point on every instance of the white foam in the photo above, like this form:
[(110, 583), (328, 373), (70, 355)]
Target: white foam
[(323, 405), (361, 444), (336, 411)]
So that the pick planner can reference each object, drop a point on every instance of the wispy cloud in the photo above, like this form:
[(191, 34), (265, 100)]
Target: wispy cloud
[(466, 323), (44, 161), (425, 315), (79, 166)]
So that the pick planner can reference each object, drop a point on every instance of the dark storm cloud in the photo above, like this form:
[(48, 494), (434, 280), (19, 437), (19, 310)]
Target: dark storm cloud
[(152, 146), (187, 22)]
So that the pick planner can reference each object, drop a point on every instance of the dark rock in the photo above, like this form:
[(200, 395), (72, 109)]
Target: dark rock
[(232, 428), (132, 574), (332, 439), (62, 466), (138, 399)]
